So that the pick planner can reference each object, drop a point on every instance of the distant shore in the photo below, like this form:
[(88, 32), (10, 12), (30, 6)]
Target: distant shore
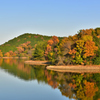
[(13, 57)]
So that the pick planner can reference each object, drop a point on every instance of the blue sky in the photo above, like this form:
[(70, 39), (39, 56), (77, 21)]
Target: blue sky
[(47, 17)]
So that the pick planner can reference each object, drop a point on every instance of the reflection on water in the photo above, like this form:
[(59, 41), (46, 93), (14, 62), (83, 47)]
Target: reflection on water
[(72, 85)]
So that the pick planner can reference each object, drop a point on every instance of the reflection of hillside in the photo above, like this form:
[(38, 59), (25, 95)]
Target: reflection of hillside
[(1, 60), (26, 72), (17, 68), (14, 61), (8, 61), (72, 85), (23, 68)]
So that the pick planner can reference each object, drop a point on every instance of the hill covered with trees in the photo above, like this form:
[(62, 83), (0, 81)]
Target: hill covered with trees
[(22, 45)]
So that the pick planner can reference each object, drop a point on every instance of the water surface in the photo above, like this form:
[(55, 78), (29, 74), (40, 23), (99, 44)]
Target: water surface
[(23, 82)]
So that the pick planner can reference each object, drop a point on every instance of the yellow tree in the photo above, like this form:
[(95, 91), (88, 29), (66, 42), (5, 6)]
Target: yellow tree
[(77, 52), (87, 37), (89, 48)]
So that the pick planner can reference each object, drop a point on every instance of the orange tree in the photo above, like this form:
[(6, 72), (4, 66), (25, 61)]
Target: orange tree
[(89, 48)]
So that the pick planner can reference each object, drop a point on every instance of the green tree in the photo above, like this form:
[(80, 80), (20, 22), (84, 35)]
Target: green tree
[(39, 51), (1, 55)]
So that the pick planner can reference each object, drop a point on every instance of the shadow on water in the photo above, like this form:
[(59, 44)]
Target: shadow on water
[(72, 85)]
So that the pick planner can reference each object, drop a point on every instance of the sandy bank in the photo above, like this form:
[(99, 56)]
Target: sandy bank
[(31, 62), (76, 68), (14, 57)]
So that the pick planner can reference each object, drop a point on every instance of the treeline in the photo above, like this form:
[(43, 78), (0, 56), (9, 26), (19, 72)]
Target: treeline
[(82, 48)]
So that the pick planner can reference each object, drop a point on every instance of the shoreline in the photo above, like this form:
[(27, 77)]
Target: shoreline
[(13, 57), (31, 62), (65, 68), (76, 68)]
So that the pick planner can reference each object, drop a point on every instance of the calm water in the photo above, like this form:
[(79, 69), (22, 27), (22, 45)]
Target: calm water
[(23, 82)]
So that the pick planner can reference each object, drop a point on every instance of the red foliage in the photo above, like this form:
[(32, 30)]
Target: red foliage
[(36, 36), (87, 31), (55, 39), (20, 49)]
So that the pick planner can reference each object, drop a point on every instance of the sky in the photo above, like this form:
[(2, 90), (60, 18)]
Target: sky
[(47, 17)]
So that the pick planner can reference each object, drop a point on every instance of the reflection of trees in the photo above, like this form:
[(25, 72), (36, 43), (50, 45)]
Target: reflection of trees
[(66, 90), (50, 79), (1, 60), (10, 61), (17, 68), (7, 61), (90, 89), (77, 86), (23, 68), (26, 72)]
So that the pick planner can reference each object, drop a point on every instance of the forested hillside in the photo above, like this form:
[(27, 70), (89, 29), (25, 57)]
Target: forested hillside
[(12, 45)]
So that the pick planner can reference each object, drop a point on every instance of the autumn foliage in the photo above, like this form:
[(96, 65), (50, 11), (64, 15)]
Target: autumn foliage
[(51, 48), (90, 48), (7, 54), (80, 48), (90, 89), (21, 50)]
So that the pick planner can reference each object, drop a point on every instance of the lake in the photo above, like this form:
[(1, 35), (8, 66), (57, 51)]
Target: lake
[(24, 82)]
